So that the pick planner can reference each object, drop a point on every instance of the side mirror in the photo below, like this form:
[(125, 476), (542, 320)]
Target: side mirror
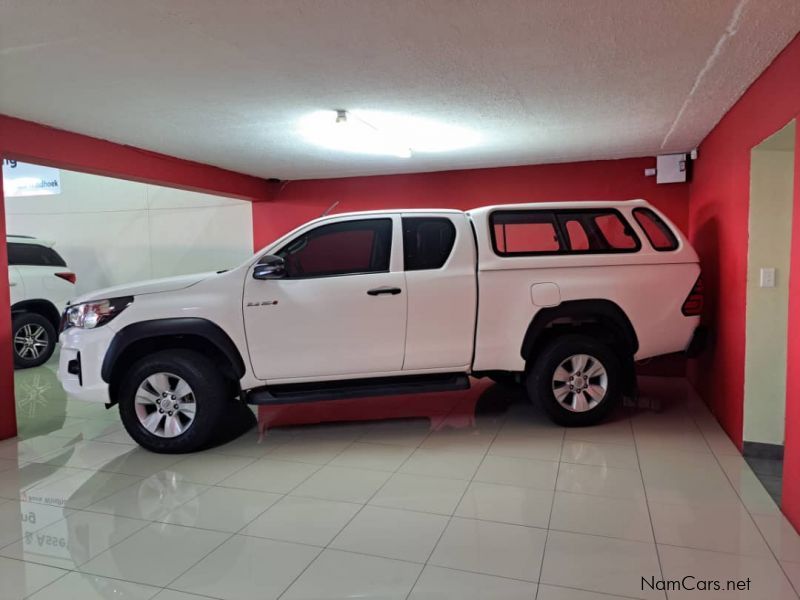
[(270, 267)]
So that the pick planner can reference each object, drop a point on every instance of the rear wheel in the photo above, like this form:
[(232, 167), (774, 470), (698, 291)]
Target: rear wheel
[(577, 380), (33, 338), (172, 401)]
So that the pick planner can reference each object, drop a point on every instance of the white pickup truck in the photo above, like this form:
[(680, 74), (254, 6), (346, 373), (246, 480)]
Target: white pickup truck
[(562, 296)]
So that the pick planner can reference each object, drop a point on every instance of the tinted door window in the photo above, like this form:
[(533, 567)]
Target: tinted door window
[(427, 242), (34, 255), (344, 248)]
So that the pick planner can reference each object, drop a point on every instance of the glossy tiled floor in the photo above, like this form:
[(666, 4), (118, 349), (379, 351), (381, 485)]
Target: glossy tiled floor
[(486, 501)]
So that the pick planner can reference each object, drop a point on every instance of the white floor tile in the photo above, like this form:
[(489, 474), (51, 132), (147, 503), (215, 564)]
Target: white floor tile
[(491, 548), (151, 498), (391, 533), (268, 475), (602, 454), (222, 509), (551, 592), (20, 579), (337, 575), (438, 463), (72, 541), (312, 451), (613, 432), (87, 455), (506, 504), (156, 554), (600, 481), (404, 432), (780, 535), (523, 472), (437, 583), (382, 457), (175, 595), (625, 518), (244, 568), (600, 564), (208, 468), (80, 488), (82, 586), (303, 520), (767, 580), (342, 483), (420, 492), (724, 528), (140, 462), (528, 446)]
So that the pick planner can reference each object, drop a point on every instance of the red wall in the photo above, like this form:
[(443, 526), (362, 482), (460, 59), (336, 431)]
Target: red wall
[(299, 201), (718, 217), (8, 418)]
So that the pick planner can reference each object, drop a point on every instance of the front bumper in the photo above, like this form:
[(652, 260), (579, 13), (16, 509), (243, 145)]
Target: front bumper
[(82, 353)]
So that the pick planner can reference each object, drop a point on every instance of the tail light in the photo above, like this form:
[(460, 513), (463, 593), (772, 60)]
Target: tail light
[(693, 305), (71, 277)]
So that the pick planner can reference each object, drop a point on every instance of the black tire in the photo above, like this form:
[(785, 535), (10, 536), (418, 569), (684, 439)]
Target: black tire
[(23, 358), (540, 380), (209, 389)]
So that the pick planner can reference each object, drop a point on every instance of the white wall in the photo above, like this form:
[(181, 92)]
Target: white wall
[(770, 233), (112, 231)]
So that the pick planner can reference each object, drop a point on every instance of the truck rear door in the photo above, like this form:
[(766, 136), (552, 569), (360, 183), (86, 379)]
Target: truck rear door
[(439, 261)]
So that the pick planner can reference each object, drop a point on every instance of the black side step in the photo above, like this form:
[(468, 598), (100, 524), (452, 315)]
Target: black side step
[(292, 393)]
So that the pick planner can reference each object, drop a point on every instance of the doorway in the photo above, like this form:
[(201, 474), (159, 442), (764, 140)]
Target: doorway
[(768, 262)]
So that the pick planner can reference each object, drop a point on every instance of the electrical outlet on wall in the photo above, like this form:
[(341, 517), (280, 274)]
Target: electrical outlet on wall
[(767, 277)]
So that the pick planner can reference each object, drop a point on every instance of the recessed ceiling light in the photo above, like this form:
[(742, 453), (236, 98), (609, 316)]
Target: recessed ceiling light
[(380, 133)]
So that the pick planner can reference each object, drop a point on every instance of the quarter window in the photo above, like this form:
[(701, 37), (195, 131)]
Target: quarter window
[(33, 255), (617, 233), (658, 232), (427, 242), (344, 248)]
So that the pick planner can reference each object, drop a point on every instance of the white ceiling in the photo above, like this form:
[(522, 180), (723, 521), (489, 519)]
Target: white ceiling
[(226, 83)]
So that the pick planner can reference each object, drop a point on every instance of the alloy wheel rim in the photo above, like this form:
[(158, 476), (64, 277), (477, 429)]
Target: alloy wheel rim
[(165, 405), (580, 383), (30, 341)]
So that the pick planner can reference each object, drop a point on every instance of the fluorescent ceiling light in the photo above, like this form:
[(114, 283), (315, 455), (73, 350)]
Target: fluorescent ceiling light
[(379, 133)]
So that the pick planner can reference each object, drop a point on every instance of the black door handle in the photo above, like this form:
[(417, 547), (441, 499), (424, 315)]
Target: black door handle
[(384, 290)]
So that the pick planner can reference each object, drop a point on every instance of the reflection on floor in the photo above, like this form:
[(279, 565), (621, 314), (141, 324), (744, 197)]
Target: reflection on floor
[(770, 473), (480, 498)]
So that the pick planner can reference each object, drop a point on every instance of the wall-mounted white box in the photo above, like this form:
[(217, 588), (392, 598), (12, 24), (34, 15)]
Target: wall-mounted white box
[(671, 168)]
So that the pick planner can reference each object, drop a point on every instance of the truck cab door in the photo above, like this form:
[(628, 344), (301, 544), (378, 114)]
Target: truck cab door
[(338, 310), (440, 265)]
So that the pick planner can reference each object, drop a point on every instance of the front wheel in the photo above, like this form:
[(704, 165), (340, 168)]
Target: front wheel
[(34, 340), (172, 401), (577, 380)]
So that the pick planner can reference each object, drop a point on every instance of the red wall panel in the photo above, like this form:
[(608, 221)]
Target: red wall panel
[(8, 418), (300, 201), (718, 224), (718, 217)]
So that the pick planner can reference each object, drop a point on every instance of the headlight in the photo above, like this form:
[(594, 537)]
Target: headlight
[(88, 315)]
